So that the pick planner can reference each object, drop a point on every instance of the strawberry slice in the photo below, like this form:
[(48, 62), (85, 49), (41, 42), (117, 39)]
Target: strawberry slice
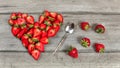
[(36, 25), (25, 42), (30, 32), (44, 40), (15, 30), (42, 26), (44, 33), (20, 34), (21, 21), (30, 20), (51, 32), (60, 18), (36, 54), (39, 46)]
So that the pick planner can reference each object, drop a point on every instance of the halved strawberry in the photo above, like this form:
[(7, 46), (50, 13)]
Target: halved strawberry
[(30, 25), (15, 30), (53, 14), (36, 25), (19, 15), (37, 32), (24, 15), (25, 42), (36, 54), (42, 26), (48, 27), (13, 16), (51, 32), (60, 18), (57, 22), (39, 46), (44, 40), (30, 40), (21, 21), (25, 36), (85, 42), (56, 27), (41, 19), (30, 32), (30, 19), (21, 33), (46, 13), (31, 47), (11, 22), (44, 33), (36, 39)]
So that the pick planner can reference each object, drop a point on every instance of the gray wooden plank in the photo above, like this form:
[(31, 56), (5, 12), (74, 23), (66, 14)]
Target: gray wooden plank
[(85, 60), (111, 37), (32, 6)]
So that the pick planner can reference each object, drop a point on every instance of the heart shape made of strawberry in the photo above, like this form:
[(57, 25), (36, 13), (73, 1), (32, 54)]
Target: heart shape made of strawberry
[(35, 35)]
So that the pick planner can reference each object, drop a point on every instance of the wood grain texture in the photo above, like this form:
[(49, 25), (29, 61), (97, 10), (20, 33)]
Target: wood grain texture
[(32, 6), (111, 37), (85, 60)]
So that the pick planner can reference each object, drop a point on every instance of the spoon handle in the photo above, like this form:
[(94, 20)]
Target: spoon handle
[(60, 43)]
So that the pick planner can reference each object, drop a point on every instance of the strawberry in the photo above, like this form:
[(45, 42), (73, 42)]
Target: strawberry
[(36, 25), (44, 40), (11, 22), (13, 16), (53, 14), (21, 21), (39, 46), (73, 52), (57, 22), (24, 15), (46, 13), (37, 32), (51, 32), (48, 27), (42, 26), (25, 42), (85, 42), (99, 47), (99, 28), (25, 36), (41, 19), (60, 18), (36, 54), (15, 30), (20, 34), (30, 25), (44, 33), (31, 47), (30, 20), (84, 26), (31, 41), (16, 23)]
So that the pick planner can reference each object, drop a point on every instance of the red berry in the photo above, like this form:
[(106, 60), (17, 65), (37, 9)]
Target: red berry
[(85, 42), (73, 52), (99, 47), (36, 54), (85, 26), (99, 28)]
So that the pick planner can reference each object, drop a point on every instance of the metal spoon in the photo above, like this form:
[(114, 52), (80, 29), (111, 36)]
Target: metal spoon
[(68, 30)]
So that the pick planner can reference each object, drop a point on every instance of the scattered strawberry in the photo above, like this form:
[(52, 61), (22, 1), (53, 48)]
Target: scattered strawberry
[(36, 54), (39, 46), (73, 52), (85, 42), (85, 26), (99, 47), (99, 28)]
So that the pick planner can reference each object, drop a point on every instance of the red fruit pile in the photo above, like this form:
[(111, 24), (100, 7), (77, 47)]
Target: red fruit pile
[(34, 35)]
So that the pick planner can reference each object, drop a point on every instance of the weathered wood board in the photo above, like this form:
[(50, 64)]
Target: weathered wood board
[(106, 12)]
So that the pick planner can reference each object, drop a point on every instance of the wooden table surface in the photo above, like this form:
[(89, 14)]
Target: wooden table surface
[(106, 12)]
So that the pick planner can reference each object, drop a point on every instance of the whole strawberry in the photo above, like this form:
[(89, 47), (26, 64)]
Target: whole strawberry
[(99, 28), (99, 47), (84, 26), (73, 52), (85, 42)]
